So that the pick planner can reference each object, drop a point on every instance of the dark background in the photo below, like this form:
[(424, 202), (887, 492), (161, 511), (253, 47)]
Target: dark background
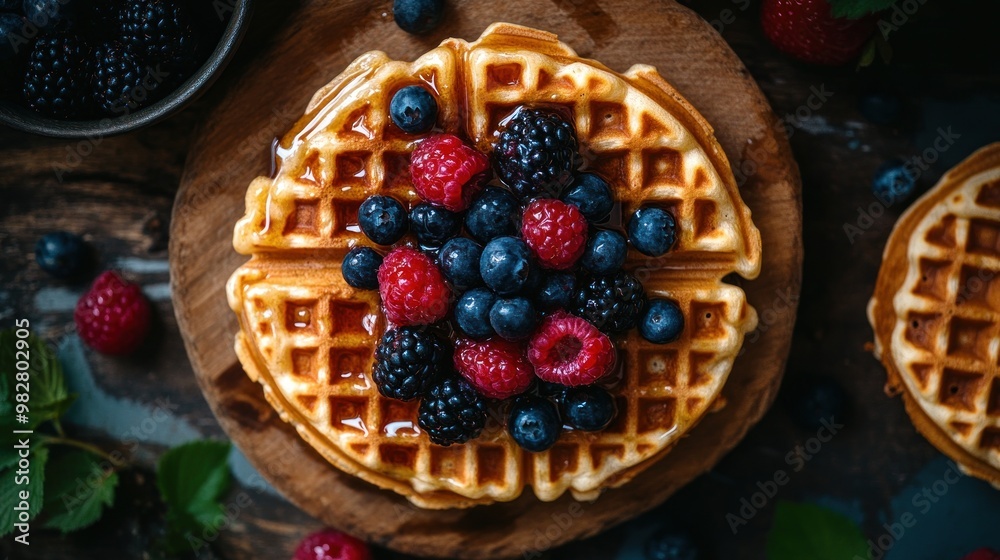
[(118, 192)]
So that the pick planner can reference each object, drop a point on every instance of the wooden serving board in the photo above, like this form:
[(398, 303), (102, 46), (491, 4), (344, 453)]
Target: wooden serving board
[(312, 47)]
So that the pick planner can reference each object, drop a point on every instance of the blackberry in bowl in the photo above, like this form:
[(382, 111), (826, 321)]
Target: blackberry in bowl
[(86, 68)]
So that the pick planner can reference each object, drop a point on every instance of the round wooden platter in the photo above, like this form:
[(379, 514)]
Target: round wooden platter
[(312, 47)]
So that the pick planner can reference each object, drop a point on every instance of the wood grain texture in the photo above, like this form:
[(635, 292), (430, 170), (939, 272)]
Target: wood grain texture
[(315, 44)]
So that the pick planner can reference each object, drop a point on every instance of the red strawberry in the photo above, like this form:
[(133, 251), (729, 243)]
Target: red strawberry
[(807, 30), (114, 316), (446, 172), (555, 231), (331, 545), (497, 368), (570, 351), (412, 287)]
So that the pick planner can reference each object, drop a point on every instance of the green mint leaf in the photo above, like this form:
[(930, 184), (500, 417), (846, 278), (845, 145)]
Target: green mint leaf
[(49, 397), (12, 484), (814, 532), (854, 9), (79, 486), (192, 478)]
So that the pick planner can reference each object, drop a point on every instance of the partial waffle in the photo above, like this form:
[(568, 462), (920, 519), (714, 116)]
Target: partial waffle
[(936, 313), (308, 337)]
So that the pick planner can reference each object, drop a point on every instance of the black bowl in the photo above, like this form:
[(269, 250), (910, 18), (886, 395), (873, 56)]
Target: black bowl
[(21, 118)]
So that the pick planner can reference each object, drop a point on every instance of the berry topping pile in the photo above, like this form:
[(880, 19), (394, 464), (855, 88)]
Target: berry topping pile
[(506, 287), (84, 59)]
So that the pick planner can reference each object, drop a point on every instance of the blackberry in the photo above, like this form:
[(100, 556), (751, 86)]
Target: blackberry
[(121, 83), (537, 153), (407, 361), (160, 32), (452, 412), (56, 82), (611, 303)]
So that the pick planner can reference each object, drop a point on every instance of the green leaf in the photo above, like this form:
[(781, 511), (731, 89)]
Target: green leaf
[(14, 483), (78, 489), (814, 532), (49, 398), (192, 479), (854, 9)]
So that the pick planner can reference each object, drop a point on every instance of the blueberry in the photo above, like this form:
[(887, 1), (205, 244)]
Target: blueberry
[(413, 109), (556, 291), (459, 261), (472, 312), (505, 265), (513, 318), (591, 195), (818, 400), (893, 182), (670, 545), (11, 26), (661, 321), (417, 16), (652, 231), (880, 108), (494, 213), (434, 225), (605, 252), (60, 253), (360, 268), (54, 14), (534, 423), (382, 219), (590, 409)]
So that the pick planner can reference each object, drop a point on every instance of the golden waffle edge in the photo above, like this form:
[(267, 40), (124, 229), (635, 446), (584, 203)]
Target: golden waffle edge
[(936, 313), (308, 338)]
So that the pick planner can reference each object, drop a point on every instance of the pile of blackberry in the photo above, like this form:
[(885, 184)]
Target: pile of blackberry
[(82, 59), (510, 282)]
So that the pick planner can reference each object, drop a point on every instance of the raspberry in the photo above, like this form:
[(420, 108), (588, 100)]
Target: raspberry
[(555, 231), (497, 368), (446, 172), (331, 545), (114, 316), (570, 351), (412, 287)]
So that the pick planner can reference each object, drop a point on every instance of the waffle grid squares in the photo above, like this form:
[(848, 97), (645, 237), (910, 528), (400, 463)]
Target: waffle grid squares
[(953, 324), (351, 154)]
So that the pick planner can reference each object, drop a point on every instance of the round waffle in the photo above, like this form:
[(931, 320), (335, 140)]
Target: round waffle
[(308, 337), (936, 313)]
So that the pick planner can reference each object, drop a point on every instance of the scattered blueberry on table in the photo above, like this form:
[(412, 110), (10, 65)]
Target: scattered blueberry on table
[(893, 182), (418, 16), (61, 253)]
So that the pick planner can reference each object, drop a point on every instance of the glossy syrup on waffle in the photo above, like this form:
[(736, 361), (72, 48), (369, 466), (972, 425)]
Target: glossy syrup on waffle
[(309, 337)]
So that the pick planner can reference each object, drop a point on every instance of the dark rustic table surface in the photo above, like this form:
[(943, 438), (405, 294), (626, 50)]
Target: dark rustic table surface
[(945, 69)]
